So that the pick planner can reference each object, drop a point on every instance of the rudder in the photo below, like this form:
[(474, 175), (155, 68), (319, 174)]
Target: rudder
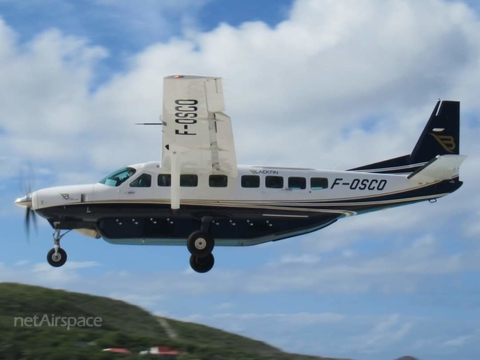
[(441, 135)]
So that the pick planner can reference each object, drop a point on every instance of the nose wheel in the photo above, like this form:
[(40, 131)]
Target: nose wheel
[(57, 257)]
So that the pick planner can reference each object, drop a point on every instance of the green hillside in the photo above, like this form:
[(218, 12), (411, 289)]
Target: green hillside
[(122, 325)]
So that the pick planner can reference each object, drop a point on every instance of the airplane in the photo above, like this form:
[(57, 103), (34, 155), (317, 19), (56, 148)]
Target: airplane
[(198, 196)]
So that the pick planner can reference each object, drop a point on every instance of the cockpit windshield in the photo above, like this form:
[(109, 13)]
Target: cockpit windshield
[(118, 177)]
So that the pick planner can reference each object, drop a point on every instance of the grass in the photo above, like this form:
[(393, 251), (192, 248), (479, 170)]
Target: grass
[(123, 325)]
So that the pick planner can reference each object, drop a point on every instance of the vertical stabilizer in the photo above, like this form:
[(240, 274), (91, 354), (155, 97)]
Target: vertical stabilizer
[(441, 134)]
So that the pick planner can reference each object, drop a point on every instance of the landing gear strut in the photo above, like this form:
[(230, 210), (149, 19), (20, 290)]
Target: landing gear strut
[(57, 257), (200, 244)]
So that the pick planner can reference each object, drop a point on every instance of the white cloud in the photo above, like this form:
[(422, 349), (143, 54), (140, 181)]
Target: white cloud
[(266, 90), (458, 341), (71, 265), (348, 254), (302, 259), (382, 335), (296, 319), (224, 306), (46, 275), (80, 264), (21, 263), (152, 20), (393, 272)]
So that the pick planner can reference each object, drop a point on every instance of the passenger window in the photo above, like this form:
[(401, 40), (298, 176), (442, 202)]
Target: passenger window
[(218, 181), (188, 180), (250, 181), (318, 183), (274, 182), (143, 180), (164, 180), (297, 183)]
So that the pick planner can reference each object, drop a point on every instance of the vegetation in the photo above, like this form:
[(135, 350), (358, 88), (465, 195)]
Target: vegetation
[(122, 326)]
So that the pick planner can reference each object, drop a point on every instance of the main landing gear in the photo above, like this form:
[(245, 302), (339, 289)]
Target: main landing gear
[(57, 256), (200, 244)]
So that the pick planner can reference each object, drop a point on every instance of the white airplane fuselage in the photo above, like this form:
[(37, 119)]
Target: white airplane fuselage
[(281, 210)]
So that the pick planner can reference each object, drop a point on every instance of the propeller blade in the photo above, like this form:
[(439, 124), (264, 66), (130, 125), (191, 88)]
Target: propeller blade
[(31, 178), (34, 220), (22, 184), (27, 223), (27, 178)]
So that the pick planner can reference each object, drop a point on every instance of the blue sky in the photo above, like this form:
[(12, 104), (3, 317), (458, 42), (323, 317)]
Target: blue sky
[(126, 28), (326, 84)]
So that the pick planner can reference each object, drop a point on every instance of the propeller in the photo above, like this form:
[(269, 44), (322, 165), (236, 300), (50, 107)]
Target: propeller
[(30, 216), (26, 201)]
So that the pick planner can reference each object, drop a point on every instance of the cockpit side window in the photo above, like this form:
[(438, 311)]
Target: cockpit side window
[(118, 177), (144, 180)]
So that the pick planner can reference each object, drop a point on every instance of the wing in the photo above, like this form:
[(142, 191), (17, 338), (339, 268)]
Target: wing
[(195, 127)]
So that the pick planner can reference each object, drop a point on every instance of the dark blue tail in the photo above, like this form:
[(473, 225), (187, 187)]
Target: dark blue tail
[(440, 136)]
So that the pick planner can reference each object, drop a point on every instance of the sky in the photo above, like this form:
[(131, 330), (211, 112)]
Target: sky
[(330, 84)]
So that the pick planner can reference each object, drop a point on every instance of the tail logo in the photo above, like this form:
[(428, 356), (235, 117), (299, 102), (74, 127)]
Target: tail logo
[(447, 142)]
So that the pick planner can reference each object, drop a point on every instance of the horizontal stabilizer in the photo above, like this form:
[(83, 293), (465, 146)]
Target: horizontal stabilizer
[(441, 167)]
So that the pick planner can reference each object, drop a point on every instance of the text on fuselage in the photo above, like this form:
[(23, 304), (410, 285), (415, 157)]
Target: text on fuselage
[(185, 116), (265, 172), (361, 184)]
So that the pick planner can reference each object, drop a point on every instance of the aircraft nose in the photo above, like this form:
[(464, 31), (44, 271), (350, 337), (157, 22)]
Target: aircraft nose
[(25, 201)]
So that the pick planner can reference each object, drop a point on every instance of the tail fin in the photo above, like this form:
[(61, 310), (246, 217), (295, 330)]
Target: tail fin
[(441, 136)]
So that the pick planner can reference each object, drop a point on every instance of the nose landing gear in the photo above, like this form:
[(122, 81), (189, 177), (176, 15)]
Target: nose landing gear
[(57, 257)]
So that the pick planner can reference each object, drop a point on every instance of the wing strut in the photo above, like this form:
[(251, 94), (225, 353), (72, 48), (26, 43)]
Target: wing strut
[(175, 183)]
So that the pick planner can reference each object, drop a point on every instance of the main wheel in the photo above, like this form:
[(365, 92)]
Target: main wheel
[(202, 264), (58, 259), (200, 243)]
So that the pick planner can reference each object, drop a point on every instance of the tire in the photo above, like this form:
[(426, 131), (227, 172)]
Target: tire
[(200, 243), (202, 264), (60, 260)]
